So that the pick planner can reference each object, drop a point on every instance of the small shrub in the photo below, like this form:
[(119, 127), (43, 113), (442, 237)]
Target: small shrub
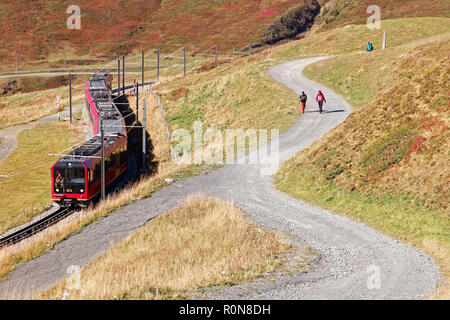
[(389, 149), (293, 22), (334, 172)]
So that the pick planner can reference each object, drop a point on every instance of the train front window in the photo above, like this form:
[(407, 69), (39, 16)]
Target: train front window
[(74, 176), (69, 180)]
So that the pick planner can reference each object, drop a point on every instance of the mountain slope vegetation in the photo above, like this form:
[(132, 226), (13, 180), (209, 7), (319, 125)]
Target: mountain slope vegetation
[(35, 30), (387, 164)]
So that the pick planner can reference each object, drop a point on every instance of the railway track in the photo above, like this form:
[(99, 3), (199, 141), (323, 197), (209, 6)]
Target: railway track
[(35, 227)]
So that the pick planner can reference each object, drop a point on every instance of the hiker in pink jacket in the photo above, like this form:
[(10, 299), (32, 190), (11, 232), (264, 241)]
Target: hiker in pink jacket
[(320, 99)]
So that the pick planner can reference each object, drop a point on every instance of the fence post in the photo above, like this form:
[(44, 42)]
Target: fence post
[(184, 73), (216, 62), (384, 40), (70, 97), (249, 49)]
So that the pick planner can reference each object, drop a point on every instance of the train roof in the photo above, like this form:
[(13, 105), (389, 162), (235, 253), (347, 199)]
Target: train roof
[(107, 110), (111, 117), (90, 148)]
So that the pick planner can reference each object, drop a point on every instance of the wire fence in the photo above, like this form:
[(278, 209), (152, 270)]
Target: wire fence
[(156, 60)]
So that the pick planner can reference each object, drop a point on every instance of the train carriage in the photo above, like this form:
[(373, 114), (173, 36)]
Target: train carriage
[(76, 177)]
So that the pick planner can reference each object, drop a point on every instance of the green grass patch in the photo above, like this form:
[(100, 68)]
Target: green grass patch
[(26, 192), (353, 38), (400, 216), (389, 149)]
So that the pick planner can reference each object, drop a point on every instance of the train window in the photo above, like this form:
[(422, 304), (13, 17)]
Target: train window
[(112, 160), (107, 162), (74, 175), (123, 155), (89, 112), (67, 177)]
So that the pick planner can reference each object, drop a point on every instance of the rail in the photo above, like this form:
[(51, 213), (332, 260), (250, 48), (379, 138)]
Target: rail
[(35, 227)]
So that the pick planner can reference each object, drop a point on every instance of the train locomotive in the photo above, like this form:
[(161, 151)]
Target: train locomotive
[(76, 177)]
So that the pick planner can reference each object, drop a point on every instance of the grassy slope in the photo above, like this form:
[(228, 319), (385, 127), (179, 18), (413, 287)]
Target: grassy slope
[(25, 107), (240, 94), (37, 31), (30, 161), (342, 12), (412, 97), (202, 243), (387, 165), (113, 27)]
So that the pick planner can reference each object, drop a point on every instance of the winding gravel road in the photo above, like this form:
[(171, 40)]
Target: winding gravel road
[(356, 262)]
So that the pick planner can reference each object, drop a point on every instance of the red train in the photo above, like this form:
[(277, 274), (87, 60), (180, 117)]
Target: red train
[(76, 177)]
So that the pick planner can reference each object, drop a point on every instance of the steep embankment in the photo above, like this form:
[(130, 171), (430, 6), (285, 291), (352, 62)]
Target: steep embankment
[(387, 165)]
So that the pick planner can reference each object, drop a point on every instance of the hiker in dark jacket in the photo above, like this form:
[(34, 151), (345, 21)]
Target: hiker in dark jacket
[(320, 99), (303, 99)]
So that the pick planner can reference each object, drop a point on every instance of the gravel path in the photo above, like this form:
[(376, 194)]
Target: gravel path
[(356, 262), (8, 136)]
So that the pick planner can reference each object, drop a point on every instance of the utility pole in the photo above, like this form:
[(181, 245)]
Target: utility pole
[(144, 137), (158, 63), (249, 49), (16, 62), (70, 97), (123, 75), (103, 158), (118, 76), (143, 67), (383, 45), (184, 73), (137, 101)]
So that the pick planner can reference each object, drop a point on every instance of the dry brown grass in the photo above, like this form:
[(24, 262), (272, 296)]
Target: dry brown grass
[(202, 243), (26, 107), (35, 246), (441, 254)]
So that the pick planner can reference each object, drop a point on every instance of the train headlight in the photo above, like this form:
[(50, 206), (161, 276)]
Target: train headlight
[(57, 190), (81, 190)]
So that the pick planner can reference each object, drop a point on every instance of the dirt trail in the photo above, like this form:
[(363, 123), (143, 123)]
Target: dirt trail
[(8, 136), (356, 262)]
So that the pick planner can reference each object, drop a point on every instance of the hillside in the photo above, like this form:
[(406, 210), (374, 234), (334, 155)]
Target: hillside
[(37, 30), (343, 12), (387, 164), (399, 139)]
